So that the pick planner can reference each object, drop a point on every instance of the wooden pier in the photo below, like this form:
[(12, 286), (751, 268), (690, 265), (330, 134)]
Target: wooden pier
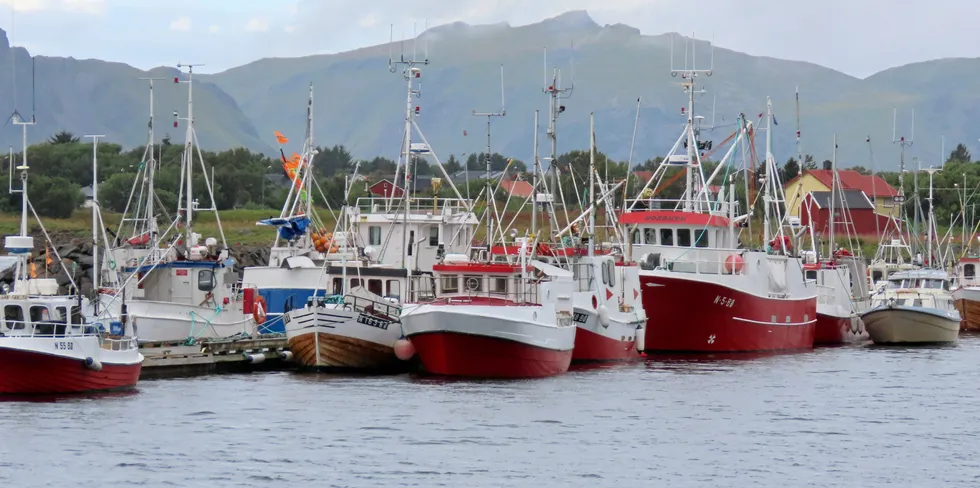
[(208, 356)]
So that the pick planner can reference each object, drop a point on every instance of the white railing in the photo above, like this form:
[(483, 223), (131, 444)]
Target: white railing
[(515, 289), (826, 295), (49, 329), (369, 205)]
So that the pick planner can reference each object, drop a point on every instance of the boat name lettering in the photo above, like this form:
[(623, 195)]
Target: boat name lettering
[(64, 345), (373, 322), (580, 317), (724, 301), (664, 218)]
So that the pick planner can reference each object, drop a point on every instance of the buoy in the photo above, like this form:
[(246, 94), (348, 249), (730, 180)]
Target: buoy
[(258, 310), (641, 336), (93, 364), (603, 314), (404, 349), (734, 264), (286, 355), (255, 358)]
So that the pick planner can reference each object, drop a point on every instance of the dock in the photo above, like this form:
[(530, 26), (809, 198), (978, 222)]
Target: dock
[(208, 356)]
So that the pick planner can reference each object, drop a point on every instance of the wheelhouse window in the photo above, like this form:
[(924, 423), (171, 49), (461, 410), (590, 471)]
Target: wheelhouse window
[(701, 238), (393, 288), (637, 236), (14, 316), (649, 236), (684, 237), (411, 241), (433, 236), (338, 286), (374, 235), (450, 284), (39, 313), (205, 280), (375, 286), (500, 285), (969, 271), (666, 237), (811, 274)]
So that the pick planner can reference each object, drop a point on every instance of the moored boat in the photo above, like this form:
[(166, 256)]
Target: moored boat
[(916, 307), (966, 293)]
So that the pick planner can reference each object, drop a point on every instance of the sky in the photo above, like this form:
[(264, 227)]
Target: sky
[(858, 37)]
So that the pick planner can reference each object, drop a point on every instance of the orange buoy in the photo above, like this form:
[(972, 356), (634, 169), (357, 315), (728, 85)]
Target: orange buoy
[(734, 264), (404, 349)]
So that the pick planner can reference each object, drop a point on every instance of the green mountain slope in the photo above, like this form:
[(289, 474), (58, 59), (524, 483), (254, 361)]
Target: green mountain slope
[(99, 97)]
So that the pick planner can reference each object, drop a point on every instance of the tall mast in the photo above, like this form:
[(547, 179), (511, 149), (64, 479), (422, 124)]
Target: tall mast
[(766, 195), (833, 195), (901, 168), (97, 270), (556, 93), (21, 246), (412, 73), (592, 184), (534, 181), (932, 216), (491, 202), (151, 221)]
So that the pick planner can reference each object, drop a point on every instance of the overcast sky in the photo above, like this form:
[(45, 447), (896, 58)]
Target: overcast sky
[(858, 37)]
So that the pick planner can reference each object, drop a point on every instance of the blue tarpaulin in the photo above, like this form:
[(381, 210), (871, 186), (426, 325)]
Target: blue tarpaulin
[(289, 228)]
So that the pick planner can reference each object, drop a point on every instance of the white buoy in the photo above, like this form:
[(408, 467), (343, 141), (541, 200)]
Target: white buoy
[(603, 314), (404, 349), (93, 364), (641, 342), (255, 358), (286, 355)]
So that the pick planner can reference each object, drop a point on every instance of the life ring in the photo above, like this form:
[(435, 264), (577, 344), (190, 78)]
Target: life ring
[(258, 310)]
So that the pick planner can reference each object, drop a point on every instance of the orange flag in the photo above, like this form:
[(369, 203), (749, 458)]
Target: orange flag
[(281, 138)]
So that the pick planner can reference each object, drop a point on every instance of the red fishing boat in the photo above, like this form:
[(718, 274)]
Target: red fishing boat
[(704, 292)]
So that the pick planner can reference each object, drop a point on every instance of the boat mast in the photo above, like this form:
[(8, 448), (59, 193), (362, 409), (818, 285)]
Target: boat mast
[(96, 274), (901, 168), (555, 108), (22, 271), (833, 197), (534, 182), (151, 221), (491, 201), (932, 215), (592, 184)]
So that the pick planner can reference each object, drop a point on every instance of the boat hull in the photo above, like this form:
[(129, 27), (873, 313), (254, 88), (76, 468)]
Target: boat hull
[(834, 330), (343, 340), (688, 315), (967, 301), (910, 325), (155, 322), (489, 341), (36, 370), (593, 342)]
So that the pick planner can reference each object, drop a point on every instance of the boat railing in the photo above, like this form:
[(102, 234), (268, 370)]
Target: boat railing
[(372, 307), (119, 344), (56, 329), (513, 289), (707, 261), (373, 205), (700, 205), (584, 274)]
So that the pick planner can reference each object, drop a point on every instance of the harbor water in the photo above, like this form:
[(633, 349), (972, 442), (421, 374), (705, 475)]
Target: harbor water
[(849, 416)]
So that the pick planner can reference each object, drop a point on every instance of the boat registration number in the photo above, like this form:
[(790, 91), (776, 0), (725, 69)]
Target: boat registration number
[(64, 345), (725, 301), (580, 317), (373, 322)]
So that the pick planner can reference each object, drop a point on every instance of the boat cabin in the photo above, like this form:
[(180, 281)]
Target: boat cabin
[(458, 280), (196, 283), (966, 272), (32, 317), (668, 235), (929, 288)]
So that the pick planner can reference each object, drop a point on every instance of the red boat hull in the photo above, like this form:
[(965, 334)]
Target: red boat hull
[(455, 354), (695, 316), (27, 372), (590, 346), (832, 330)]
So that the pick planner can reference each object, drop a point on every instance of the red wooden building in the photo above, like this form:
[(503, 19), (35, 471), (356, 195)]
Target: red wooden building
[(855, 208), (384, 188)]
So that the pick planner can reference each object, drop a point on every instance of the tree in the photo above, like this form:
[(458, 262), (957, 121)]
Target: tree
[(862, 170), (54, 196), (809, 163), (63, 137), (790, 170), (960, 154), (452, 166)]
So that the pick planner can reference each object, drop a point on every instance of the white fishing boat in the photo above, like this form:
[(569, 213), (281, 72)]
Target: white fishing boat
[(178, 287), (46, 344), (915, 307)]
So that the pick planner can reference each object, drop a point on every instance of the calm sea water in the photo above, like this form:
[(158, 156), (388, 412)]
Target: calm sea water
[(850, 416)]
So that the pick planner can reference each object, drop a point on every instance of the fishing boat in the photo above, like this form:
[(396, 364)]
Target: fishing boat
[(492, 320), (916, 307), (46, 344), (966, 292), (179, 287), (704, 292)]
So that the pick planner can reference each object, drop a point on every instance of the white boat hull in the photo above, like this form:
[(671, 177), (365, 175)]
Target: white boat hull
[(334, 337), (154, 322), (911, 325)]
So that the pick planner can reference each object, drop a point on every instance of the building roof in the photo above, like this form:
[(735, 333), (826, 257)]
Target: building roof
[(854, 199), (517, 188), (873, 186), (643, 176)]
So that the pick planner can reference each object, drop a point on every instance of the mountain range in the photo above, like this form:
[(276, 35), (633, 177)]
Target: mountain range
[(359, 103)]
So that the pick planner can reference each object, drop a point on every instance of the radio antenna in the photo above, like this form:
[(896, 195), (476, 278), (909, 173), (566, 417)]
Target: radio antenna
[(903, 143), (556, 93), (491, 202)]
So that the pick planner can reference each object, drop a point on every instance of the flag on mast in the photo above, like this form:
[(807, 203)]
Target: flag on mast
[(281, 139)]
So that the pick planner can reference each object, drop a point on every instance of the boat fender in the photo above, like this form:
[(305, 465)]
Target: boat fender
[(404, 349), (855, 327), (93, 364), (258, 310), (254, 358), (286, 355), (603, 316), (640, 338)]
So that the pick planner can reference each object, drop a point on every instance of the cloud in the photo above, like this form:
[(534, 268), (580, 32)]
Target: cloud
[(289, 29), (181, 24), (25, 5), (87, 6), (214, 29), (257, 25)]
